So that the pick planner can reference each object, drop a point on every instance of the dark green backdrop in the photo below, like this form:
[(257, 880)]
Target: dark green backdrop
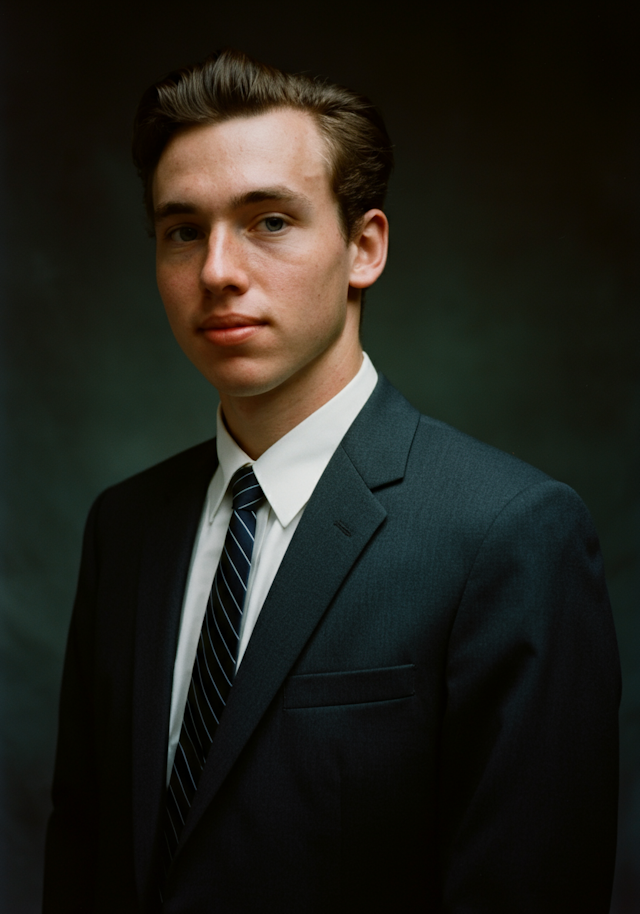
[(509, 307)]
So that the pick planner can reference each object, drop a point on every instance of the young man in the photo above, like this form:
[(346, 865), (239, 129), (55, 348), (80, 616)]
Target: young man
[(342, 657)]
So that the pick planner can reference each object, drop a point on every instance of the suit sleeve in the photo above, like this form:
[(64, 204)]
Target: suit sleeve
[(530, 741), (72, 833)]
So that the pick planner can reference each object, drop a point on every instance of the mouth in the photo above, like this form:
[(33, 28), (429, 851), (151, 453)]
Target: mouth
[(230, 329)]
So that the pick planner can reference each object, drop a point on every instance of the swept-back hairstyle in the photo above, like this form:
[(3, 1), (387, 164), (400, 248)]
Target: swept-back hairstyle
[(230, 84)]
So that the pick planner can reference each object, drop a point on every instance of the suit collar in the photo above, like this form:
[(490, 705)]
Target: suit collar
[(379, 441)]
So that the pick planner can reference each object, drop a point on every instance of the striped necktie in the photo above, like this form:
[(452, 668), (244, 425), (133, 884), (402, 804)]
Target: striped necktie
[(215, 662)]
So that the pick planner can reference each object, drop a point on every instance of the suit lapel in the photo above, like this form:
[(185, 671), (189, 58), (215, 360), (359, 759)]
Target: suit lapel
[(165, 559), (338, 522)]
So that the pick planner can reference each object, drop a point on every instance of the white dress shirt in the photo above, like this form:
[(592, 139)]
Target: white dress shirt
[(288, 473)]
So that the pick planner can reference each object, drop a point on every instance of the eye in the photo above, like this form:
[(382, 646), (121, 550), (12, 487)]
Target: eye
[(184, 234), (274, 223)]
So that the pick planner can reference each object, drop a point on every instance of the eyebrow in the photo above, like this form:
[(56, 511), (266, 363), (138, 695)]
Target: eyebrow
[(260, 195), (176, 208)]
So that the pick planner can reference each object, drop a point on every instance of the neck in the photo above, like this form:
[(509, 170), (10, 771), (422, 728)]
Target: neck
[(257, 422)]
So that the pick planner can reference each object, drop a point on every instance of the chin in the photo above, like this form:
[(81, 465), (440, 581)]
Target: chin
[(243, 383)]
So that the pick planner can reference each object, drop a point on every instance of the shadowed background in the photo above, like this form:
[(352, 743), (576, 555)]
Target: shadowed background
[(509, 307)]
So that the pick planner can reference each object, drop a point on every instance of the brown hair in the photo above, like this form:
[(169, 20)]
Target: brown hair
[(230, 84)]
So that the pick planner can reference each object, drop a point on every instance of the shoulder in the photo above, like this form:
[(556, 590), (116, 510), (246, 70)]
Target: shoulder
[(187, 472), (390, 429), (450, 456), (451, 475), (484, 486)]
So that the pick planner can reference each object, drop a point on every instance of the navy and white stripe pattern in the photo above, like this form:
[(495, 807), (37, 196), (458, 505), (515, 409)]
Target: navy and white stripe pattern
[(215, 662)]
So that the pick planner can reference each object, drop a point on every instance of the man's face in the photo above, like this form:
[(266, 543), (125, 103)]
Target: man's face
[(251, 263)]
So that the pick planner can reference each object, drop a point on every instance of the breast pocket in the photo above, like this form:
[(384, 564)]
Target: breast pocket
[(354, 687)]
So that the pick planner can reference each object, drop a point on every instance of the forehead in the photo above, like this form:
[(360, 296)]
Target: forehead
[(279, 148)]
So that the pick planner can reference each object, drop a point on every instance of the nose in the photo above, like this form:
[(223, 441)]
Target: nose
[(224, 267)]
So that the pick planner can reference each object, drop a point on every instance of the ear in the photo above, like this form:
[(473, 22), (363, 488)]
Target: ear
[(369, 249)]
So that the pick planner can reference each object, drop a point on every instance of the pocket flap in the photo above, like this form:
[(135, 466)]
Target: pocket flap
[(320, 690)]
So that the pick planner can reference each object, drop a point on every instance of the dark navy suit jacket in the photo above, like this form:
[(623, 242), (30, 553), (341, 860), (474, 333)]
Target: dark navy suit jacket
[(425, 718)]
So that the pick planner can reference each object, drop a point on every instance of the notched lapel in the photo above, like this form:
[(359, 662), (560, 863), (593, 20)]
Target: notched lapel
[(337, 524), (165, 559), (339, 520)]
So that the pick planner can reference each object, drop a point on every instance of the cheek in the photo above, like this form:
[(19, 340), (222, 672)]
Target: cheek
[(328, 292), (163, 281), (173, 287), (317, 279)]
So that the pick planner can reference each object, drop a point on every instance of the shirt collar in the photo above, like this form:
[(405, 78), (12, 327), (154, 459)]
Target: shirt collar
[(290, 469)]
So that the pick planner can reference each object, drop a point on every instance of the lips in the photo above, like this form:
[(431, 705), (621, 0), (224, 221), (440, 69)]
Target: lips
[(230, 329)]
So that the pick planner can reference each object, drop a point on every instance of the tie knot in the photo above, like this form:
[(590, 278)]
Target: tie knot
[(246, 490)]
